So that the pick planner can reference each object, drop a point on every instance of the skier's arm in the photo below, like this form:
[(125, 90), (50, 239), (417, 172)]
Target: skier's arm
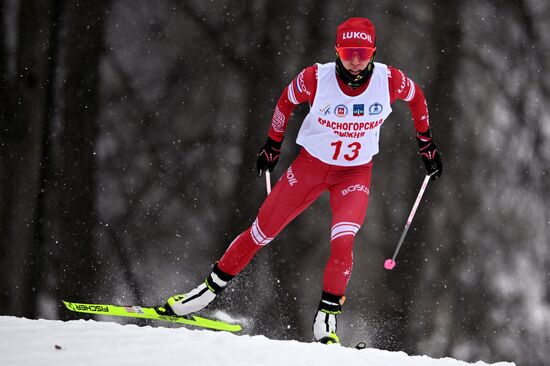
[(302, 89), (403, 88)]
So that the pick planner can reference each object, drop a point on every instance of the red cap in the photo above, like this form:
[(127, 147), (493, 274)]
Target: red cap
[(355, 32)]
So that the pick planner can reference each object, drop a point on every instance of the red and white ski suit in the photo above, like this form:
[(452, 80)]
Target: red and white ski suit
[(338, 138)]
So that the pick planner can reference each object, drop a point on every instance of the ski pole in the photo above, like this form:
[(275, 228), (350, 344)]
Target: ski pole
[(390, 262), (268, 181)]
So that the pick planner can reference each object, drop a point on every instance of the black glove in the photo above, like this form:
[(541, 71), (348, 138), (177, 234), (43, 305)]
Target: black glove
[(268, 156), (429, 154)]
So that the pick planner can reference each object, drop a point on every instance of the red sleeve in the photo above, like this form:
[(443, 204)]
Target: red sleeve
[(302, 89), (403, 88)]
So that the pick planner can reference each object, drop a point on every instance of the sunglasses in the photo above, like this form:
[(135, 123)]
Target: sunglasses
[(363, 53)]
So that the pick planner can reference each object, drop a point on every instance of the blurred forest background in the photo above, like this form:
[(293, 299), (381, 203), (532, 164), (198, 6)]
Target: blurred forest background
[(128, 138)]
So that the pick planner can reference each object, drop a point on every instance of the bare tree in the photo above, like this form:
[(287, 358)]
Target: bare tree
[(83, 43), (24, 132)]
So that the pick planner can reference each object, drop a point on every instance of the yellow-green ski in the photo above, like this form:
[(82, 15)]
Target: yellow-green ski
[(155, 313)]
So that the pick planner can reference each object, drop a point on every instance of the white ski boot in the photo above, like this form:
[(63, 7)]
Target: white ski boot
[(325, 323), (201, 296)]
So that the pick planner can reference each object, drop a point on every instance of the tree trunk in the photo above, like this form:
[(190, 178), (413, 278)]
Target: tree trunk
[(83, 47), (22, 132), (426, 315), (5, 92)]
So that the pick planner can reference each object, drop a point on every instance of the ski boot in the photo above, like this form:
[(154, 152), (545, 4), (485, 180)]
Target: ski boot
[(201, 296), (324, 324)]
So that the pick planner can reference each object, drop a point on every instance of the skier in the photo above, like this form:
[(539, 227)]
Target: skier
[(349, 100)]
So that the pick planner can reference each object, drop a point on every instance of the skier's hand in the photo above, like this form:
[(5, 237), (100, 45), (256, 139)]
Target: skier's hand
[(268, 156), (429, 154)]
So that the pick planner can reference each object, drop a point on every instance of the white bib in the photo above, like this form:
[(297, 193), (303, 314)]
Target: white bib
[(344, 130)]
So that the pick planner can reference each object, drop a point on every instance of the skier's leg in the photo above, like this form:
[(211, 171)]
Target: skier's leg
[(349, 201), (297, 188)]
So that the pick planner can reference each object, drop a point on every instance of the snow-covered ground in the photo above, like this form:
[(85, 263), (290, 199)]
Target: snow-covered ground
[(87, 342)]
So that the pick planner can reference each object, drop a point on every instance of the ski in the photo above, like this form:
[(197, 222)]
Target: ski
[(154, 313)]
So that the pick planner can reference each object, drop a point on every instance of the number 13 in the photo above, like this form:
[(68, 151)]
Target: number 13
[(353, 154)]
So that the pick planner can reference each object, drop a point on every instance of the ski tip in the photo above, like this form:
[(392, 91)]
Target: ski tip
[(68, 305)]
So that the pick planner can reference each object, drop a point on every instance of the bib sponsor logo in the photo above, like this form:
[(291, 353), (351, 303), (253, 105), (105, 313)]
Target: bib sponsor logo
[(358, 110), (356, 188), (341, 110), (325, 110), (375, 108)]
